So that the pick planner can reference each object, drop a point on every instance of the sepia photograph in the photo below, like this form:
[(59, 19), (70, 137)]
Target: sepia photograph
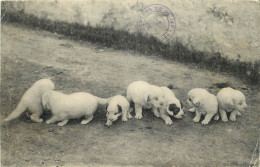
[(134, 83)]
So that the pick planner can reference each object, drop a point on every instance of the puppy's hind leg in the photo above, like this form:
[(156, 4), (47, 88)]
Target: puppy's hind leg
[(223, 115), (64, 122), (36, 113), (86, 120), (52, 120)]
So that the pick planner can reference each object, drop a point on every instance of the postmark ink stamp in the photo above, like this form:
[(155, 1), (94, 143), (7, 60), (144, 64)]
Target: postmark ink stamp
[(157, 20)]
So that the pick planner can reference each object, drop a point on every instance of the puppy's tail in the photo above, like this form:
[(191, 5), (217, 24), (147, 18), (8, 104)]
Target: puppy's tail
[(103, 101), (16, 112)]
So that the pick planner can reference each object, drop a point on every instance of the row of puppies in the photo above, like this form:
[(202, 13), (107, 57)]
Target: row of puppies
[(160, 99), (164, 103), (42, 96)]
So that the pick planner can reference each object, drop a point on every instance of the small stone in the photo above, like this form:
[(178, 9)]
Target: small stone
[(50, 129), (244, 87)]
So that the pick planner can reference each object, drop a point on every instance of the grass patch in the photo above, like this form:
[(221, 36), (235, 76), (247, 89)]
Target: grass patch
[(123, 40)]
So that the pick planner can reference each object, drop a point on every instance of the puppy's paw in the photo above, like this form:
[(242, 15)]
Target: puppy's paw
[(238, 113), (216, 117), (224, 119), (138, 116), (84, 122), (48, 122), (192, 110), (108, 124), (196, 119), (38, 120), (129, 116), (124, 119), (168, 121), (232, 118), (205, 122), (60, 124)]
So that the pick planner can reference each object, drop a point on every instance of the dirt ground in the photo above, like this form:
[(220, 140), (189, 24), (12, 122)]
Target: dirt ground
[(74, 66)]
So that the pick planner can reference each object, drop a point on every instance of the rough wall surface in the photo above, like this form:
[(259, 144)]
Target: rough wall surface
[(228, 27)]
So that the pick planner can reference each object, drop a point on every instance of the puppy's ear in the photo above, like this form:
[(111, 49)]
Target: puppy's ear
[(119, 109), (196, 101), (181, 104)]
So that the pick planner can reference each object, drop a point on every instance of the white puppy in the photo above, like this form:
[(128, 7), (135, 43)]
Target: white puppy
[(76, 105), (32, 100), (118, 105), (231, 100), (144, 95), (203, 103), (173, 106)]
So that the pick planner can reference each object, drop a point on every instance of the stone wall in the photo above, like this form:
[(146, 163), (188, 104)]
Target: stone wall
[(228, 27)]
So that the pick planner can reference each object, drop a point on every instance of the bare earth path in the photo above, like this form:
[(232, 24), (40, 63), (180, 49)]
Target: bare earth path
[(29, 55)]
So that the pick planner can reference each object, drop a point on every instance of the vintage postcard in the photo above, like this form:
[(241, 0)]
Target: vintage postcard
[(130, 83)]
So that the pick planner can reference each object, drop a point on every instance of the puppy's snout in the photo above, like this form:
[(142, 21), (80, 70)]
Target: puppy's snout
[(245, 106)]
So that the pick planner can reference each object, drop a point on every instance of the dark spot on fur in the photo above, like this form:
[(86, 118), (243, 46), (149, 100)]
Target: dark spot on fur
[(174, 108)]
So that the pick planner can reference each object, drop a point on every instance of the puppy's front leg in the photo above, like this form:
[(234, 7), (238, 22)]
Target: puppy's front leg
[(155, 112), (193, 109), (233, 115), (165, 117), (223, 115), (124, 115), (129, 114), (207, 118), (216, 117), (138, 111), (109, 123), (198, 116)]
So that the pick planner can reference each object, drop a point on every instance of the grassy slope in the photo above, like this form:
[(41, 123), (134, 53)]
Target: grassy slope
[(74, 66)]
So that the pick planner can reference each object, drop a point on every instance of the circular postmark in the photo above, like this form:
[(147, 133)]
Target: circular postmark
[(157, 20)]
